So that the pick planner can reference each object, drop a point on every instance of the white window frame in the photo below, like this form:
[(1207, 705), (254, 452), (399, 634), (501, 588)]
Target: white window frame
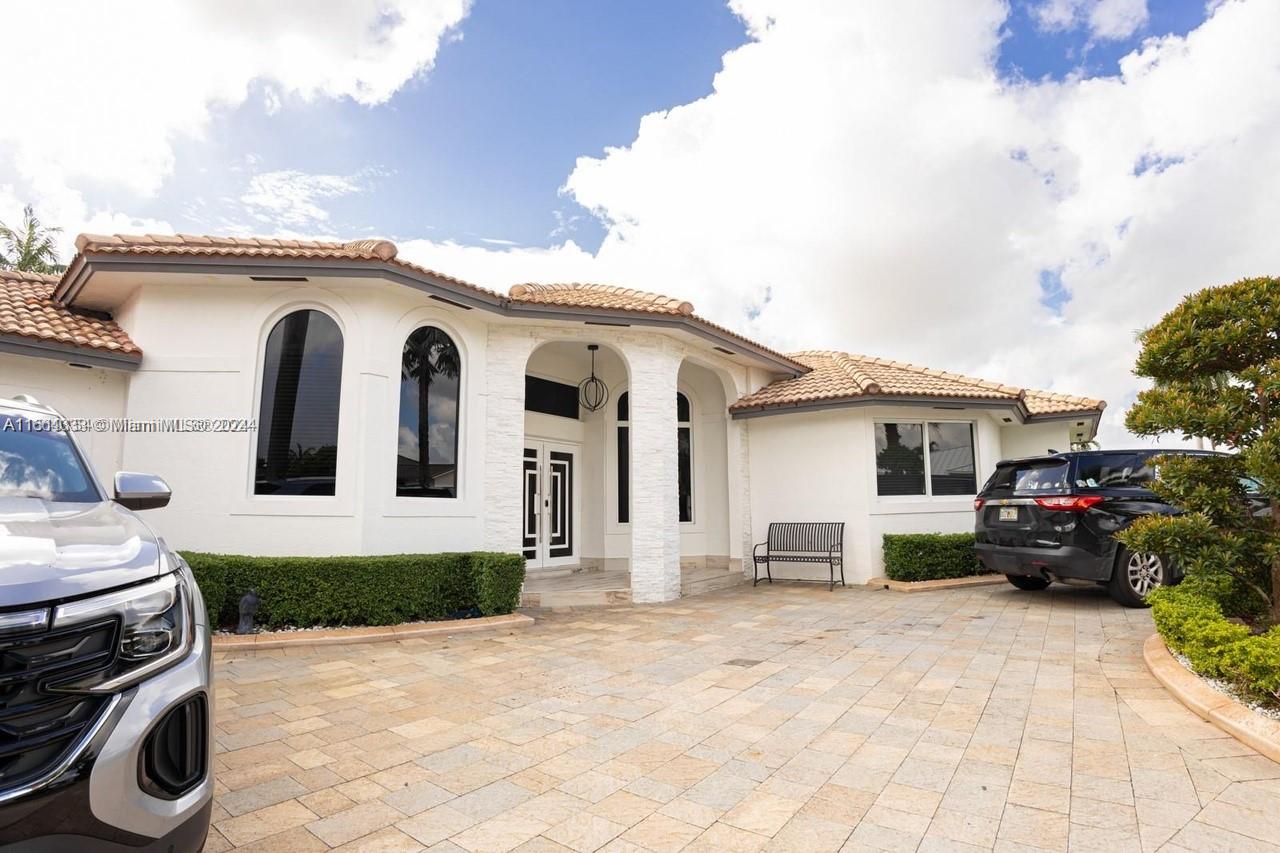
[(928, 494)]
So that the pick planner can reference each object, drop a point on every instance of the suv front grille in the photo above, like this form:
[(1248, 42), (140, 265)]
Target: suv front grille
[(39, 726)]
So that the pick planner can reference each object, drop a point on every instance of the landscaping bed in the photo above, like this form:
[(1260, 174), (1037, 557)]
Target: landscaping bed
[(305, 592)]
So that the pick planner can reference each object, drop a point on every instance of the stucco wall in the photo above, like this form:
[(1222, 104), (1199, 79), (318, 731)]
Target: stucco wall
[(1034, 439), (211, 368), (78, 393), (820, 466)]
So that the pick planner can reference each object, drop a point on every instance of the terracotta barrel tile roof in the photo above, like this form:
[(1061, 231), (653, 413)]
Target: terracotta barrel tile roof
[(28, 310), (600, 296), (257, 247), (839, 376)]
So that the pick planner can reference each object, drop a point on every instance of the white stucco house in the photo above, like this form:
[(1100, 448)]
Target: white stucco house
[(387, 408)]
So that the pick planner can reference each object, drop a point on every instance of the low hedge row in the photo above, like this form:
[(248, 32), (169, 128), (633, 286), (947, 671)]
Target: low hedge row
[(929, 556), (1193, 624), (384, 590)]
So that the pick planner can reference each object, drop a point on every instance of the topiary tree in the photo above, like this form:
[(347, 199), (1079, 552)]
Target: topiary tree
[(1215, 361)]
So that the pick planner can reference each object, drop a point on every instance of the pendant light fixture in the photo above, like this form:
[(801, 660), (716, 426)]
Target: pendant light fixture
[(593, 393)]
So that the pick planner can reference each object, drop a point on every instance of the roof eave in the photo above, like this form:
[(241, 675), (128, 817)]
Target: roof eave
[(70, 353), (84, 265)]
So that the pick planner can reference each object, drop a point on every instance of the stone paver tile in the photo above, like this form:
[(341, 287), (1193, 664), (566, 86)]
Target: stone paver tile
[(389, 840), (326, 801), (417, 797), (492, 799), (762, 813), (662, 834), (263, 822), (294, 840), (260, 795), (435, 825), (811, 834), (722, 838), (500, 834), (355, 822), (585, 832), (1034, 827), (966, 828), (625, 808)]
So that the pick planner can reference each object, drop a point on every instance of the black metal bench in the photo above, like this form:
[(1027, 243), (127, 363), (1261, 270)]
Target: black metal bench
[(802, 542)]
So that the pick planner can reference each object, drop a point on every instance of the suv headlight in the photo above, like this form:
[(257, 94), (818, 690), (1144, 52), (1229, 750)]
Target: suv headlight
[(156, 631)]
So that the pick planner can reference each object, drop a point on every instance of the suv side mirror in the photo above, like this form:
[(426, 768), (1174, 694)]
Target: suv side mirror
[(141, 491)]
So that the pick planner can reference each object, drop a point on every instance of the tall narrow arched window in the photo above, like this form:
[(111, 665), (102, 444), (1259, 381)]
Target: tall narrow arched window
[(684, 456), (427, 438), (624, 458), (298, 410)]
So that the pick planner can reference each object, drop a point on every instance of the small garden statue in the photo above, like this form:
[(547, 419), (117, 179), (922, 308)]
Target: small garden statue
[(248, 609)]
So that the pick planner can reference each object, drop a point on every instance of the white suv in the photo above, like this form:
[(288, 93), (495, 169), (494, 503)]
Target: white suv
[(106, 695)]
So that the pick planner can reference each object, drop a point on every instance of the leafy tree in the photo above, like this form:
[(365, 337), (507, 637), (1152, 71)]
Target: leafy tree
[(30, 247), (1215, 360)]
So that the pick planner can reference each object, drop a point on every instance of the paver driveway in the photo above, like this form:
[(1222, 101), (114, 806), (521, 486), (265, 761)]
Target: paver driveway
[(783, 718)]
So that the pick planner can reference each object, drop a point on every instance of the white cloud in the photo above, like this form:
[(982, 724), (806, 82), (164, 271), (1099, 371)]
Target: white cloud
[(861, 178), (114, 86), (1105, 19), (290, 199)]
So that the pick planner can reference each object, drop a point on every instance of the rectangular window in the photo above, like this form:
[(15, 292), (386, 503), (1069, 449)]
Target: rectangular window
[(924, 459), (624, 475), (684, 443), (550, 398)]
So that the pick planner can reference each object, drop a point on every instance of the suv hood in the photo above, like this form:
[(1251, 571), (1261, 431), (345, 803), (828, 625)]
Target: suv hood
[(51, 551)]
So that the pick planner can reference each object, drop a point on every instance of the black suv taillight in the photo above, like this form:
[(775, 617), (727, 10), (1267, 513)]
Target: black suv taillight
[(174, 755)]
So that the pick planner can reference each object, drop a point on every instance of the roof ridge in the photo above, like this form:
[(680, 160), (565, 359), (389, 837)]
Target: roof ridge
[(529, 291)]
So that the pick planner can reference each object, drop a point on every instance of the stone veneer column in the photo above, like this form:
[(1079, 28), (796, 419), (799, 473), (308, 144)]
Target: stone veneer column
[(506, 357), (655, 529)]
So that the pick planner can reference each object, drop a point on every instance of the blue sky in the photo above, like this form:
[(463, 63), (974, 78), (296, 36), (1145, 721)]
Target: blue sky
[(478, 149)]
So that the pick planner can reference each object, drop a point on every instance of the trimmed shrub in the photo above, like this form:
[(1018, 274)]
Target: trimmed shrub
[(379, 590), (1193, 625), (929, 556)]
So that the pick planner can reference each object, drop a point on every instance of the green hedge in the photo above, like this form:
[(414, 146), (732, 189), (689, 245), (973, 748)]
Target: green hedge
[(929, 556), (1193, 624), (383, 590)]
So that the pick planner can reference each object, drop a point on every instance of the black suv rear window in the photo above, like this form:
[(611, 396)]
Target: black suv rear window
[(1114, 471), (1035, 475)]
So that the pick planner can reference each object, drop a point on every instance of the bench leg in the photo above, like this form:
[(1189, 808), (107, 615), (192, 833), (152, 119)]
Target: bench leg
[(842, 583), (755, 573), (768, 570), (831, 573)]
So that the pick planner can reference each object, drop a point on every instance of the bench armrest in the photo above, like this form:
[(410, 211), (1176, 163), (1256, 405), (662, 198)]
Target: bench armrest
[(756, 549)]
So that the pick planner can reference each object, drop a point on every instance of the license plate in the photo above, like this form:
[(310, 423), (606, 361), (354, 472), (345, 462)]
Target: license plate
[(1008, 513)]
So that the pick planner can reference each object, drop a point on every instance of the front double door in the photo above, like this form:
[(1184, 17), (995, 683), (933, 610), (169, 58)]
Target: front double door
[(550, 503)]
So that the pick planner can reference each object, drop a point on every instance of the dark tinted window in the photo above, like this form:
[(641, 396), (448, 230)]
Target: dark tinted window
[(37, 461), (684, 457), (899, 459), (1047, 475), (427, 439), (1115, 470), (624, 460), (951, 459), (550, 398), (298, 418)]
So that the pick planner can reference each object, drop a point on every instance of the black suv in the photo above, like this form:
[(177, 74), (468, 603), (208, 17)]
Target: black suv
[(1054, 518)]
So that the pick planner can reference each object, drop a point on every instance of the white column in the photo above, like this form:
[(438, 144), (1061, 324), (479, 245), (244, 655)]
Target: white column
[(655, 527), (506, 357)]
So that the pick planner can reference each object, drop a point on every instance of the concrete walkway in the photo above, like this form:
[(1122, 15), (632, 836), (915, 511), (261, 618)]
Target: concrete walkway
[(782, 718)]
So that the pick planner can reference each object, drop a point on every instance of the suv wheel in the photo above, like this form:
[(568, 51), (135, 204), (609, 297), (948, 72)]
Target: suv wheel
[(1135, 576), (1027, 582)]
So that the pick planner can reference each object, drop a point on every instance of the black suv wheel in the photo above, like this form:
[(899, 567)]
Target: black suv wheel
[(1135, 576)]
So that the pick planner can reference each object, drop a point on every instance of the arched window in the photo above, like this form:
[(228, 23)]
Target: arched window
[(427, 438), (624, 458), (684, 457), (298, 410)]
